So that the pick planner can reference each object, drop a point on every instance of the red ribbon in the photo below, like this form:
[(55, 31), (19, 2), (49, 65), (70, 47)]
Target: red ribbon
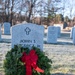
[(30, 61)]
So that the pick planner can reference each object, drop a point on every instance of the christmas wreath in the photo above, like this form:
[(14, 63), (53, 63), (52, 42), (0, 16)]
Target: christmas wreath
[(23, 61)]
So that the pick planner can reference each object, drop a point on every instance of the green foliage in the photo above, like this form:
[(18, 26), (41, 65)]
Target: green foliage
[(13, 65)]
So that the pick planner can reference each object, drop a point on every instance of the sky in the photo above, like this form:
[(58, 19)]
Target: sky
[(69, 9)]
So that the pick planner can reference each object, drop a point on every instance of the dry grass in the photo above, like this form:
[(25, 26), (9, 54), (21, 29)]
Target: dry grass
[(63, 57)]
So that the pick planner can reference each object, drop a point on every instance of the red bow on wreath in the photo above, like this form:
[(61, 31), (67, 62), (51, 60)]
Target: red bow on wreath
[(30, 61)]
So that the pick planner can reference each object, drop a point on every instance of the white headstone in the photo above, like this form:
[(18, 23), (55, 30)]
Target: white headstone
[(59, 31), (28, 35), (52, 34), (6, 28), (71, 34), (0, 32), (59, 25), (74, 36)]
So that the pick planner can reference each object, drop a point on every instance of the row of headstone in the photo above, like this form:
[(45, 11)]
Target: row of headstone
[(29, 35)]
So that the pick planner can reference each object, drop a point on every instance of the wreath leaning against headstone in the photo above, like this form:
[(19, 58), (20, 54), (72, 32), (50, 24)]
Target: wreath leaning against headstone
[(23, 61)]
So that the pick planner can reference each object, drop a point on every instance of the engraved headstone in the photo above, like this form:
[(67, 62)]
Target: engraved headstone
[(52, 34), (28, 35), (6, 28)]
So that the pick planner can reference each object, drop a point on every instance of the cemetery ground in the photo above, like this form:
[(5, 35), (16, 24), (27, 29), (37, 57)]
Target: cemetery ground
[(62, 54)]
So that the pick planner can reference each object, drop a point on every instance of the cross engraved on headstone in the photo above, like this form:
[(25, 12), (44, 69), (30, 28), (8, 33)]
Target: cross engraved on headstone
[(27, 30)]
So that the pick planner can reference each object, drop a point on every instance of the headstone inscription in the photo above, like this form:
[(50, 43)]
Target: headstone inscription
[(6, 28), (52, 34), (28, 35)]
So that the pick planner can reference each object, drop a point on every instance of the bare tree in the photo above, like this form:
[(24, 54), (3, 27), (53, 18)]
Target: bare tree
[(11, 11), (51, 8), (28, 8), (31, 4)]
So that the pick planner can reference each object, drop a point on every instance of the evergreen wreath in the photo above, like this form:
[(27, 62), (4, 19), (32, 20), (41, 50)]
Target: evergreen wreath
[(14, 66)]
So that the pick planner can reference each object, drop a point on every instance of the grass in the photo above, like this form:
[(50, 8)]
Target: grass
[(63, 57)]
